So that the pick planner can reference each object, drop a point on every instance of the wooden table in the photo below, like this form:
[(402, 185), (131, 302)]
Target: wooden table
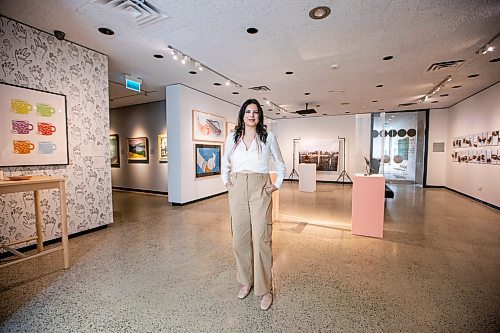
[(36, 184)]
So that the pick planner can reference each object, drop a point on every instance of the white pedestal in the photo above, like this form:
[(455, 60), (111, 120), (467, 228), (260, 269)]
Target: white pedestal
[(307, 177), (368, 205)]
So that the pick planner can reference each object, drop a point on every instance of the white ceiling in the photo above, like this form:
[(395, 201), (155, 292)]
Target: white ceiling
[(356, 36)]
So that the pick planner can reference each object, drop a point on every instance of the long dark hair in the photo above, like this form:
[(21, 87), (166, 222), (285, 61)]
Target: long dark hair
[(261, 129)]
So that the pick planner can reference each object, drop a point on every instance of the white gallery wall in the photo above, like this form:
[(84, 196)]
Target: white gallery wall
[(477, 114), (143, 120), (183, 186), (437, 161), (356, 130), (81, 74)]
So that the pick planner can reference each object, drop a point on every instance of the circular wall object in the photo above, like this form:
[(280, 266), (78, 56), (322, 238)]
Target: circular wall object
[(386, 159), (402, 133), (374, 134), (411, 132), (392, 133), (383, 133), (398, 159)]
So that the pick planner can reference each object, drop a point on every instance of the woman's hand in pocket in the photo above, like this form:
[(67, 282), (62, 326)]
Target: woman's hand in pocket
[(270, 189)]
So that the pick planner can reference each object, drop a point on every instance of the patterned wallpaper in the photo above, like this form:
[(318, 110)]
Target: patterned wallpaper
[(35, 59)]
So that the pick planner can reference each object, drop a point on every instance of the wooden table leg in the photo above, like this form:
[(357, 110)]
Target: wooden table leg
[(38, 223), (64, 223)]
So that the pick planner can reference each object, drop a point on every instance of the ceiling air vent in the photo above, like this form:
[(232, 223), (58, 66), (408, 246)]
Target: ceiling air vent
[(405, 105), (453, 64), (260, 88), (140, 12)]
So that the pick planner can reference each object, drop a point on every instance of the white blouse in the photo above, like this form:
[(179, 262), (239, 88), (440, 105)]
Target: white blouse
[(239, 159)]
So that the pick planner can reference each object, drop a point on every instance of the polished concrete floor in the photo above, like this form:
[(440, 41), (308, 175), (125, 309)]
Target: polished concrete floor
[(160, 268)]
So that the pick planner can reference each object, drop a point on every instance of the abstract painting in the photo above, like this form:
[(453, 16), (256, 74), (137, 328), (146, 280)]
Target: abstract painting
[(207, 160), (207, 127)]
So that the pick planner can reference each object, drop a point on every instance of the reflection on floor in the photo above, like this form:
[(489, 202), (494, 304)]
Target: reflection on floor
[(160, 268)]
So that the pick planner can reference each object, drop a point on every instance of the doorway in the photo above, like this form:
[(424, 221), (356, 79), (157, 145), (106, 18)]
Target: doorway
[(398, 144)]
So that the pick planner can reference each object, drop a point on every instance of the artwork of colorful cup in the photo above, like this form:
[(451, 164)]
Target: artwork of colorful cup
[(22, 146), (21, 127), (20, 106), (45, 147), (46, 128), (45, 110)]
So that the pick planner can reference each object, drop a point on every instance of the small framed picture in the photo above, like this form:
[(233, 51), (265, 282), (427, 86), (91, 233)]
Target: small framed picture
[(138, 150), (207, 160), (114, 150), (162, 148)]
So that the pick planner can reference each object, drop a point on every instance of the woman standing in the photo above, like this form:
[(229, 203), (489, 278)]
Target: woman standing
[(245, 173)]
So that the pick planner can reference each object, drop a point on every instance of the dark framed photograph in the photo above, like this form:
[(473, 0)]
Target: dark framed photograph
[(114, 150)]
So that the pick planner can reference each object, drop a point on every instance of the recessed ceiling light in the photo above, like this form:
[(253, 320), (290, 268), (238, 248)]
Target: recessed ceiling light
[(381, 109), (317, 105), (341, 90), (473, 75), (374, 101), (235, 93), (217, 84), (288, 73), (330, 91), (444, 95), (455, 87), (363, 107), (379, 85), (347, 112), (303, 115), (495, 60), (269, 109), (434, 102), (277, 113), (324, 114), (387, 57), (192, 72), (307, 94), (252, 31), (320, 12), (344, 103), (158, 56), (106, 31), (335, 66)]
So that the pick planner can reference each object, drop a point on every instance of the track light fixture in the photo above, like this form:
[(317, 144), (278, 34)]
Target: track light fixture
[(275, 106), (434, 90), (488, 47), (186, 59)]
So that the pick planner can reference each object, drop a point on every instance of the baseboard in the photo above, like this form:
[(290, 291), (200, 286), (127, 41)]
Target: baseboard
[(473, 198), (434, 186), (198, 200), (128, 189), (52, 241)]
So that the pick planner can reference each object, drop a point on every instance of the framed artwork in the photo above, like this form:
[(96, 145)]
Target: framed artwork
[(162, 148), (207, 159), (138, 150), (323, 152), (207, 127), (33, 124), (230, 127), (114, 150)]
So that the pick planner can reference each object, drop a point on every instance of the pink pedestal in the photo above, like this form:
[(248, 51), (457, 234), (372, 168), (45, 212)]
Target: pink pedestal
[(368, 205)]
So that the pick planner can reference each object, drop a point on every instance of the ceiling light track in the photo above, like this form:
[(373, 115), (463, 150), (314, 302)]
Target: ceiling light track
[(186, 59), (488, 47), (434, 90), (275, 106)]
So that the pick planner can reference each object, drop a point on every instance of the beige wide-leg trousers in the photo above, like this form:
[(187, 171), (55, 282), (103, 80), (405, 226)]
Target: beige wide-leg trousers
[(251, 225)]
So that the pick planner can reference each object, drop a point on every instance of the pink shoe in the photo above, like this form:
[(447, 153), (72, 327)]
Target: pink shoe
[(266, 301), (244, 291)]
